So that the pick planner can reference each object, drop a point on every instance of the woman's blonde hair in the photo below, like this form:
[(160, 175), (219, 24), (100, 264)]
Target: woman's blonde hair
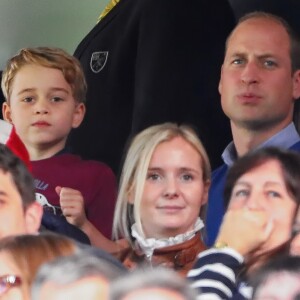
[(135, 169), (29, 252)]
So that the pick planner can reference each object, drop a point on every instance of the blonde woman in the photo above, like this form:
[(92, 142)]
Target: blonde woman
[(164, 184)]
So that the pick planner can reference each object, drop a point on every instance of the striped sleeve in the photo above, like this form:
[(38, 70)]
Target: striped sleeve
[(214, 274)]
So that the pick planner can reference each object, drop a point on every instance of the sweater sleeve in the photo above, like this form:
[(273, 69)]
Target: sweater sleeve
[(215, 274)]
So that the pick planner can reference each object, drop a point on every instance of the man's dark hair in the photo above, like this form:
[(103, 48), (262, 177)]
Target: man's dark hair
[(284, 264), (11, 164)]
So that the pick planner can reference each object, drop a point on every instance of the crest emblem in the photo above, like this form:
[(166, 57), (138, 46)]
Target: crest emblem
[(98, 61)]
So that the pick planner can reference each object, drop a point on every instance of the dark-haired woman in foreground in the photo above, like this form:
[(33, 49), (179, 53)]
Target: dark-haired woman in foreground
[(263, 194)]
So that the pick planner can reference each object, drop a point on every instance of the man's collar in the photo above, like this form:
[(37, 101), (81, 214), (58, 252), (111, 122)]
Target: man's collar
[(229, 155), (285, 138)]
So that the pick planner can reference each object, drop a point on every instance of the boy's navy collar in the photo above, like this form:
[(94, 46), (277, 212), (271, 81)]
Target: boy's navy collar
[(66, 150)]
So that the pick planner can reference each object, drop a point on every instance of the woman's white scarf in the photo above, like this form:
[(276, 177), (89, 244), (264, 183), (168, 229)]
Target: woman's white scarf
[(148, 245)]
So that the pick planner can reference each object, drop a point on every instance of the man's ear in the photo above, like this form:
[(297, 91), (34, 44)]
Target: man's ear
[(6, 112), (78, 115), (296, 84), (33, 217), (220, 81), (205, 192)]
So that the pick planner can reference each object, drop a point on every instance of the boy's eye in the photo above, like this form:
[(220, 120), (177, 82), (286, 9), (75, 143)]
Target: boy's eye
[(56, 99), (28, 99)]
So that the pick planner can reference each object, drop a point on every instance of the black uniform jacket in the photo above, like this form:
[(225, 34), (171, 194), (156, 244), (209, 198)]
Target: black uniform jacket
[(148, 62)]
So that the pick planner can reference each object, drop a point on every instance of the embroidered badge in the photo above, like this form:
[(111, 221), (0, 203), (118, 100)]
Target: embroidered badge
[(98, 61)]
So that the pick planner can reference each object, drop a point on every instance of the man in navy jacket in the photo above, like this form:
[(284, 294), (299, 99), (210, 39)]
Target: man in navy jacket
[(260, 82)]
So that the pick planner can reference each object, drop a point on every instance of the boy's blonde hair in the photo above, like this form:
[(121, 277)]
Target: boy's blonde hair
[(49, 57), (135, 170)]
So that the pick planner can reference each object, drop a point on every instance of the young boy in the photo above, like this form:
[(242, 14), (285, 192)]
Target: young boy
[(45, 90)]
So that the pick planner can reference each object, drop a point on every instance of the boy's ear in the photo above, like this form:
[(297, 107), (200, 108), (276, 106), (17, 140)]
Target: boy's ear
[(6, 112), (78, 115)]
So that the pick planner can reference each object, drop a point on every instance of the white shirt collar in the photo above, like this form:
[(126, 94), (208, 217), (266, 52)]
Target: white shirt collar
[(148, 245)]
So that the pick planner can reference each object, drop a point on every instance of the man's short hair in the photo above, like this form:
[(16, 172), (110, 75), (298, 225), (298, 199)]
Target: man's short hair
[(293, 36), (162, 278), (286, 264), (23, 180), (70, 269)]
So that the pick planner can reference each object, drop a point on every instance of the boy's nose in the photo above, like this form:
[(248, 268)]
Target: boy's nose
[(41, 109)]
